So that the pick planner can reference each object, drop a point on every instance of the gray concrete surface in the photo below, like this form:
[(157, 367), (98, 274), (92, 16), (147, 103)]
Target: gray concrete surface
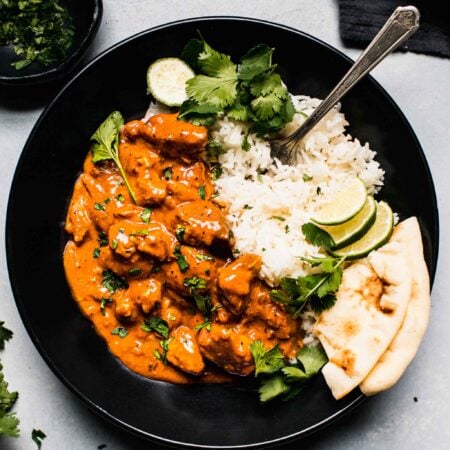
[(393, 420)]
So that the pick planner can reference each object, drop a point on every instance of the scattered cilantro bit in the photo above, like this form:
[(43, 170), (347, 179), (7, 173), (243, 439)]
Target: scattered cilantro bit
[(135, 271), (251, 91), (5, 335), (194, 283), (201, 192), (120, 331), (145, 215), (214, 150), (140, 233), (38, 436), (266, 361), (318, 190), (286, 229), (105, 145), (96, 253), (114, 244), (165, 348), (245, 144), (39, 30), (102, 239), (113, 282), (281, 379), (181, 259), (156, 324), (280, 218), (203, 257), (100, 206), (317, 236), (179, 233), (216, 171), (319, 289), (167, 173), (120, 198), (206, 324), (103, 303), (307, 177), (156, 269), (9, 422), (248, 207)]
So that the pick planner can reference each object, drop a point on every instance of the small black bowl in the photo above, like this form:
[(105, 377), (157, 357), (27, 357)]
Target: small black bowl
[(86, 16)]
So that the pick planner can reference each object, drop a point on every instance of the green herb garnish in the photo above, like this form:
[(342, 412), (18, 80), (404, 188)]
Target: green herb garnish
[(38, 30), (201, 192), (319, 289), (167, 173), (281, 379), (251, 91), (102, 239), (113, 282), (96, 253), (145, 215), (37, 436), (156, 324), (105, 145), (120, 198), (5, 335), (103, 303), (135, 271), (179, 233), (181, 259)]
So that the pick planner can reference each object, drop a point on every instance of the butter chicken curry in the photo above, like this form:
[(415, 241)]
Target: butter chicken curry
[(157, 277)]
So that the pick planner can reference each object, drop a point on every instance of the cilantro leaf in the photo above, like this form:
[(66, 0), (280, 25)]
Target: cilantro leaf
[(255, 62), (238, 112), (5, 335), (38, 436), (191, 52), (265, 107), (271, 84), (120, 331), (9, 425), (312, 359), (113, 282), (203, 114), (180, 259), (317, 236), (293, 373), (217, 91), (272, 387), (105, 145), (266, 361), (156, 324)]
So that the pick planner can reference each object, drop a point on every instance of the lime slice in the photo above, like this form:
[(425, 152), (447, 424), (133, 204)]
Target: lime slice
[(344, 205), (378, 234), (350, 231), (166, 80)]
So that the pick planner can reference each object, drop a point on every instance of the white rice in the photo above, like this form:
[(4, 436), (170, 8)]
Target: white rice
[(267, 202)]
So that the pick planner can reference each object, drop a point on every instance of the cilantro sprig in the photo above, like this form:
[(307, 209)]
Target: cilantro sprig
[(318, 289), (248, 91), (281, 379), (105, 145)]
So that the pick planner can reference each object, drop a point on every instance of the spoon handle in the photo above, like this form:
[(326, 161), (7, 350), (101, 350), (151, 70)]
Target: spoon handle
[(403, 22)]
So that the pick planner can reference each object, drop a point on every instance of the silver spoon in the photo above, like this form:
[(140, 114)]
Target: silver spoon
[(403, 22)]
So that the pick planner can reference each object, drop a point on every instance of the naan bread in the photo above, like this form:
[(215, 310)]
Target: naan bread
[(403, 348), (369, 310)]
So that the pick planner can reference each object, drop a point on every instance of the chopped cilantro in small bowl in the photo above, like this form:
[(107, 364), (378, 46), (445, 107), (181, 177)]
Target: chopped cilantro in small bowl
[(43, 40)]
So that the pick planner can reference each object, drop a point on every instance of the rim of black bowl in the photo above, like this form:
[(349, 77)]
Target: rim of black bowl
[(96, 408), (68, 65)]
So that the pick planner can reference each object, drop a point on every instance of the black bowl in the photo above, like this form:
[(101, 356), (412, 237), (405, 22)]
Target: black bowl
[(86, 16), (201, 415)]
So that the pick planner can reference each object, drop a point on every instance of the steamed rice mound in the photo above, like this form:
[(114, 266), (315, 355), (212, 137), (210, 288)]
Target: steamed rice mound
[(268, 202)]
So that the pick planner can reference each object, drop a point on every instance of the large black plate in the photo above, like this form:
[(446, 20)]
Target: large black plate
[(52, 158)]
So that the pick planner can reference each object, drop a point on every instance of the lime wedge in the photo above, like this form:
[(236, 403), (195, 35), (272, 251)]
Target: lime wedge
[(344, 205), (166, 80), (377, 235), (350, 231)]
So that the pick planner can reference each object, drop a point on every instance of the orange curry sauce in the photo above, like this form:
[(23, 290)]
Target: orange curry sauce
[(166, 260)]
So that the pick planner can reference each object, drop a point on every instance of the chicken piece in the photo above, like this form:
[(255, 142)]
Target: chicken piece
[(142, 166), (127, 237), (146, 293), (189, 272), (184, 352), (125, 308), (187, 183), (235, 280), (203, 222), (78, 221), (228, 348), (136, 265), (277, 321)]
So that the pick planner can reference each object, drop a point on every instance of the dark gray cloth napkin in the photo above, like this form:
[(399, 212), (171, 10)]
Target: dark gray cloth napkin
[(360, 20)]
